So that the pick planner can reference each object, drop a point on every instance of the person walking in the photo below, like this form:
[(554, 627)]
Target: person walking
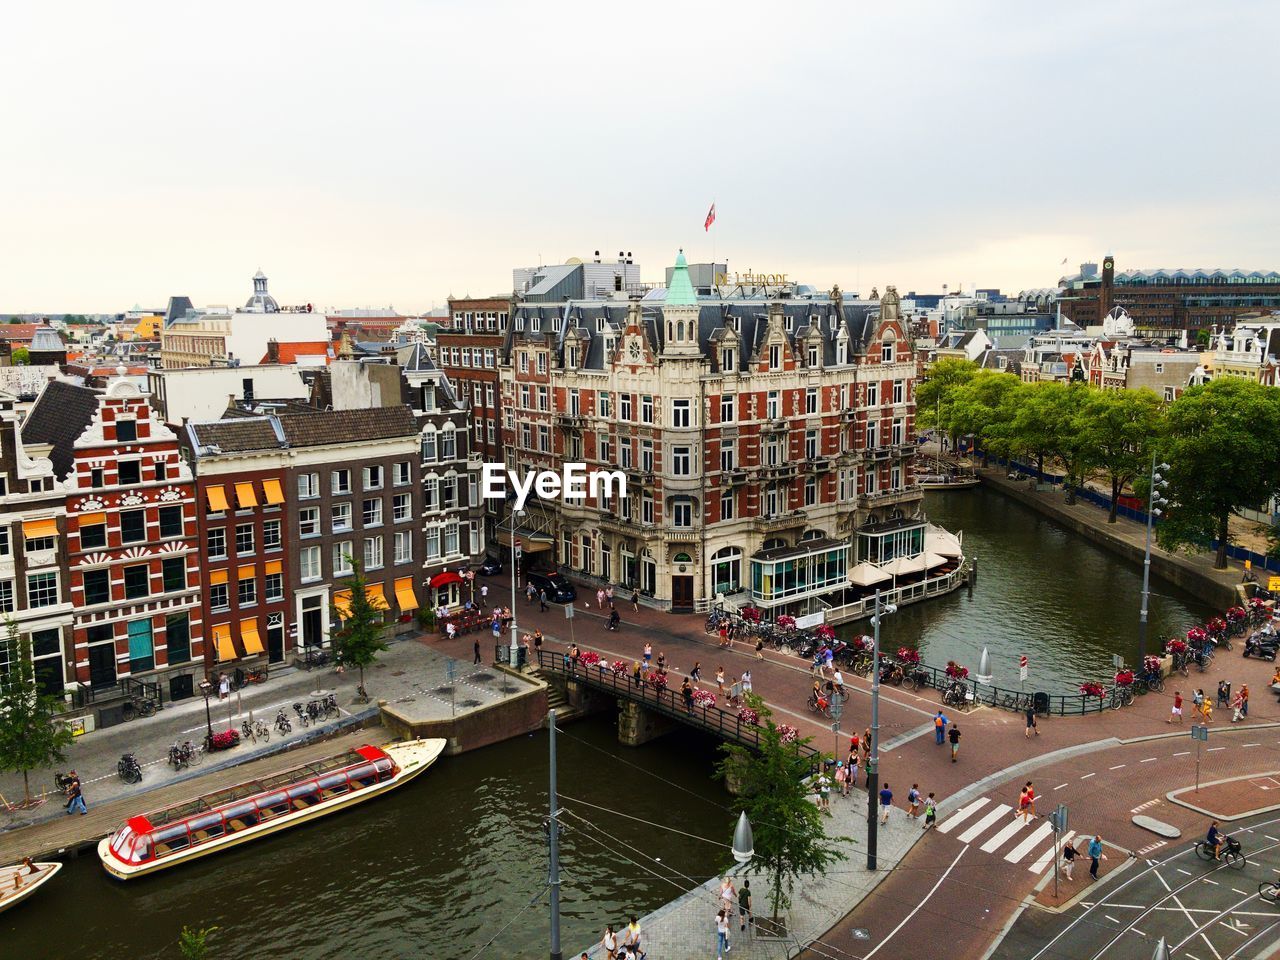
[(1069, 853), (637, 674), (1224, 693), (1095, 854), (609, 943), (886, 801), (1175, 712), (1031, 722), (529, 591), (744, 906), (954, 737), (648, 654), (1244, 700), (842, 778), (631, 939), (759, 648), (913, 801), (224, 686), (930, 811), (608, 594), (1031, 800), (696, 673), (720, 680), (542, 601), (1237, 702), (1024, 806), (746, 681), (722, 935), (686, 691), (614, 618), (852, 766), (475, 650), (635, 601), (484, 594), (728, 896), (75, 797), (724, 634), (940, 722)]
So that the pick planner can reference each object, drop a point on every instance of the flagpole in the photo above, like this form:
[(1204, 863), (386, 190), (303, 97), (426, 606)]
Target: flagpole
[(713, 251)]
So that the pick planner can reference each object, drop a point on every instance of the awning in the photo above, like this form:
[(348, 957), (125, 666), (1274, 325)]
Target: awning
[(249, 637), (905, 565), (222, 642), (217, 577), (274, 495), (932, 560), (944, 544), (35, 529), (217, 497), (444, 579), (342, 601), (246, 572), (377, 599), (274, 566), (405, 598), (865, 574), (527, 542), (245, 496), (92, 519)]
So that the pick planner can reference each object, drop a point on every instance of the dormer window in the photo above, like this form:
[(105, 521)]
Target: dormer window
[(727, 360), (600, 324), (842, 350), (555, 324), (790, 323), (775, 356), (813, 354), (573, 357), (886, 352)]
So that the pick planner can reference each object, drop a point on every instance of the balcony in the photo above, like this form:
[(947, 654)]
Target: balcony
[(570, 421), (784, 521), (773, 425), (818, 464), (736, 475), (682, 534), (880, 497), (878, 453), (778, 471)]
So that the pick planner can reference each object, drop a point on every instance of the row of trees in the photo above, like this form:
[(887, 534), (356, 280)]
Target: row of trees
[(1221, 440)]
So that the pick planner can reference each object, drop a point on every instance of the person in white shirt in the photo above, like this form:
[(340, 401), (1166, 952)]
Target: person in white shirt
[(722, 935)]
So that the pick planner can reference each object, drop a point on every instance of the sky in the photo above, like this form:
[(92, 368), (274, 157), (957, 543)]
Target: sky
[(397, 153)]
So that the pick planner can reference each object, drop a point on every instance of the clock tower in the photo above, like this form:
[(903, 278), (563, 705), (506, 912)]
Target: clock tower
[(1108, 280)]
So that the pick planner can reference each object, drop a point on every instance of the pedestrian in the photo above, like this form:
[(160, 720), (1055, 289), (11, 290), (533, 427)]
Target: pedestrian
[(720, 680), (542, 601), (686, 691), (1224, 693), (632, 937), (614, 618), (954, 737), (759, 648), (662, 661), (224, 686), (537, 641), (1095, 854), (1031, 722), (648, 654), (637, 674), (1031, 800), (913, 801), (696, 673), (574, 656), (746, 681), (722, 934), (1068, 859), (728, 896), (609, 942), (837, 682), (930, 811), (1024, 806), (475, 649), (724, 634), (940, 722), (450, 630), (824, 793), (484, 593), (852, 765), (744, 906), (608, 594), (529, 591), (75, 795), (853, 742), (886, 801), (1244, 700), (635, 600), (1237, 702), (1176, 712), (866, 742), (842, 778)]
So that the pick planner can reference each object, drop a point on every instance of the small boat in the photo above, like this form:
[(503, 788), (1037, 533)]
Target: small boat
[(947, 481), (27, 883), (248, 811)]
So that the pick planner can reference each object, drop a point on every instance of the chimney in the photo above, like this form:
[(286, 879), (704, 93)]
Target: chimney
[(273, 350)]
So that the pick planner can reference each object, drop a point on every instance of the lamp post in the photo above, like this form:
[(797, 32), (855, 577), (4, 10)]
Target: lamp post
[(873, 758), (1154, 503), (206, 687), (515, 649)]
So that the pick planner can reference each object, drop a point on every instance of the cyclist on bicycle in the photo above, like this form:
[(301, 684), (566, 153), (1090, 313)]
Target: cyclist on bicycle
[(1216, 840), (817, 697)]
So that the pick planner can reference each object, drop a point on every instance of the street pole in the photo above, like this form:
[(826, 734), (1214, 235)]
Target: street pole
[(515, 649), (553, 835), (1146, 572), (873, 758)]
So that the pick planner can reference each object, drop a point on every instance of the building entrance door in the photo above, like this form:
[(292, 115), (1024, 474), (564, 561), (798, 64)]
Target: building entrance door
[(682, 594), (102, 665), (275, 638), (312, 622)]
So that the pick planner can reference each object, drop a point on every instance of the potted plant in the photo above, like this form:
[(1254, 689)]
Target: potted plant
[(1091, 688), (224, 740), (908, 655)]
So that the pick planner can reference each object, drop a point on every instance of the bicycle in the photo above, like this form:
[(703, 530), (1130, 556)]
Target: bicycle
[(283, 725), (1232, 853), (185, 755), (128, 769), (255, 731), (1121, 697), (138, 707), (819, 704), (1269, 890), (302, 715), (330, 703)]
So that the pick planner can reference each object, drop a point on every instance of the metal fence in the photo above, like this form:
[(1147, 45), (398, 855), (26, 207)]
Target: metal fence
[(989, 695)]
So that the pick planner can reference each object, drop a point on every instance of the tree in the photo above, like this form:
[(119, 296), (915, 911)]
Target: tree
[(20, 356), (934, 393), (1222, 444), (193, 944), (360, 640), (787, 827), (30, 737), (1039, 418), (980, 407), (1119, 429)]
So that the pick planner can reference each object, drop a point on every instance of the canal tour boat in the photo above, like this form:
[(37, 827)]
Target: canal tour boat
[(947, 481), (17, 883), (258, 808)]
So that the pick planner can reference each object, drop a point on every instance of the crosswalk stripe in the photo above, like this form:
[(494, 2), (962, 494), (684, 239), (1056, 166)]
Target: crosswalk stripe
[(1003, 810), (1038, 835), (1047, 857), (999, 839), (962, 814)]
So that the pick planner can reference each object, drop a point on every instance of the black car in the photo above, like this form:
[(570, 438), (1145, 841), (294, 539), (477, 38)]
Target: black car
[(557, 588), (490, 566)]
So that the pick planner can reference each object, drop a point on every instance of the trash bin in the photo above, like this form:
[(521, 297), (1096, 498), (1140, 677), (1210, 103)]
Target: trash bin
[(1040, 702)]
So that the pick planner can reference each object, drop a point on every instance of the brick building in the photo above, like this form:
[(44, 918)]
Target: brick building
[(469, 352)]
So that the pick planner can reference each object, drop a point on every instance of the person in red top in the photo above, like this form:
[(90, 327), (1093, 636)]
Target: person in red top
[(1031, 800), (1176, 712)]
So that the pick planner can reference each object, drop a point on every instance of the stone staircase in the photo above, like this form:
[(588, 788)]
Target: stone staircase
[(556, 701)]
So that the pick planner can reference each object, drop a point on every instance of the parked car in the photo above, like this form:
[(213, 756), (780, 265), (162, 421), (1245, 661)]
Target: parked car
[(491, 566), (557, 588)]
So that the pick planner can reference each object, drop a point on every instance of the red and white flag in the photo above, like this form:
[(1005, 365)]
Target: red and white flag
[(711, 218)]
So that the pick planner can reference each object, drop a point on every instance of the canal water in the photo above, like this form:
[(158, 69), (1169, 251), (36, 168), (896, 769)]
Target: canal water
[(433, 870), (1042, 591)]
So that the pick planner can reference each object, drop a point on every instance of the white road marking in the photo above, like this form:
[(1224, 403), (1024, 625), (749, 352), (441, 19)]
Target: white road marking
[(1119, 765), (1047, 857), (1059, 786), (916, 909), (1111, 918), (1148, 760), (1037, 836), (1233, 928), (1250, 744), (1184, 753), (961, 815), (1207, 880), (1002, 810), (1086, 776), (1187, 872), (1003, 836), (1212, 749), (1271, 838)]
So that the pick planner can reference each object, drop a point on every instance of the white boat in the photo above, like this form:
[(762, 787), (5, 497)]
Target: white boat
[(944, 481), (17, 883), (258, 808)]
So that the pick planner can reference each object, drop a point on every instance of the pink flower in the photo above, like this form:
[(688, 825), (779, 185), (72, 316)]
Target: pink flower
[(788, 734), (749, 717)]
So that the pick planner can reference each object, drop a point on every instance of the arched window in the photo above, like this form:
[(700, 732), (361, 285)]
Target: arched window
[(726, 570), (773, 543), (812, 535)]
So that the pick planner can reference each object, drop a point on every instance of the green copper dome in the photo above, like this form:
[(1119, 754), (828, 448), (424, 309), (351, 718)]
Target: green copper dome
[(680, 289)]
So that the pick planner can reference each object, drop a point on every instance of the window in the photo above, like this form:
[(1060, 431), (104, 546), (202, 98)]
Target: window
[(273, 587), (177, 629), (309, 563), (682, 514), (646, 456), (40, 544), (130, 473), (5, 549), (813, 354), (646, 508), (340, 482), (899, 391), (897, 432), (680, 461), (247, 591), (402, 507), (403, 545), (137, 581), (142, 655), (626, 451), (372, 512), (646, 409), (271, 535), (97, 586), (810, 492), (216, 543), (811, 400), (451, 539), (343, 554), (524, 362), (126, 430), (373, 477), (429, 447), (402, 470), (6, 596), (433, 543), (773, 405), (42, 589), (626, 406), (575, 402), (373, 553), (542, 362), (605, 449), (219, 596), (886, 352), (605, 405), (174, 573), (775, 356), (543, 399), (811, 444), (309, 522), (170, 523), (133, 526), (244, 538), (726, 360), (96, 478), (308, 485), (728, 458), (727, 505), (342, 516), (680, 413), (873, 430), (431, 493), (726, 408), (448, 451), (871, 482), (873, 394)]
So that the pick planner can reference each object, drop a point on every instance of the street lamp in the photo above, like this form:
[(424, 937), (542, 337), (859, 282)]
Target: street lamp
[(1154, 504), (873, 758), (743, 844), (515, 649), (206, 688)]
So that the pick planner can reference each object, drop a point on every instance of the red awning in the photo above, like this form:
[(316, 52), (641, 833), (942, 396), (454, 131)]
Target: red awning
[(444, 579)]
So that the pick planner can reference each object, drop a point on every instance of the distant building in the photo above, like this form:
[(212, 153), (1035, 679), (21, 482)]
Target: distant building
[(576, 279), (203, 393), (1250, 350)]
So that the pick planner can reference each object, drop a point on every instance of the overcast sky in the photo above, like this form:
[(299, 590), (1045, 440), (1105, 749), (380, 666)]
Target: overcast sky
[(394, 153)]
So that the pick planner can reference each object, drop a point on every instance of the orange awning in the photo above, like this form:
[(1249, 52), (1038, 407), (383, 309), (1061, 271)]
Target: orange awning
[(274, 566), (376, 597), (342, 600), (217, 577), (245, 495), (405, 598), (35, 529), (249, 637), (92, 519), (274, 495), (222, 642), (246, 572), (217, 497)]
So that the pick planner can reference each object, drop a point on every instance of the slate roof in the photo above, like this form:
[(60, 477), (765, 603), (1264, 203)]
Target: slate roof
[(326, 427), (233, 436), (59, 417)]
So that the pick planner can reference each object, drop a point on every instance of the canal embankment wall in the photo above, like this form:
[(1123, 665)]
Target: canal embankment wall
[(1192, 572)]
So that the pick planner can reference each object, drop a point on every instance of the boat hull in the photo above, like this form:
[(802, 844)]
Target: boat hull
[(412, 757), (47, 871)]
